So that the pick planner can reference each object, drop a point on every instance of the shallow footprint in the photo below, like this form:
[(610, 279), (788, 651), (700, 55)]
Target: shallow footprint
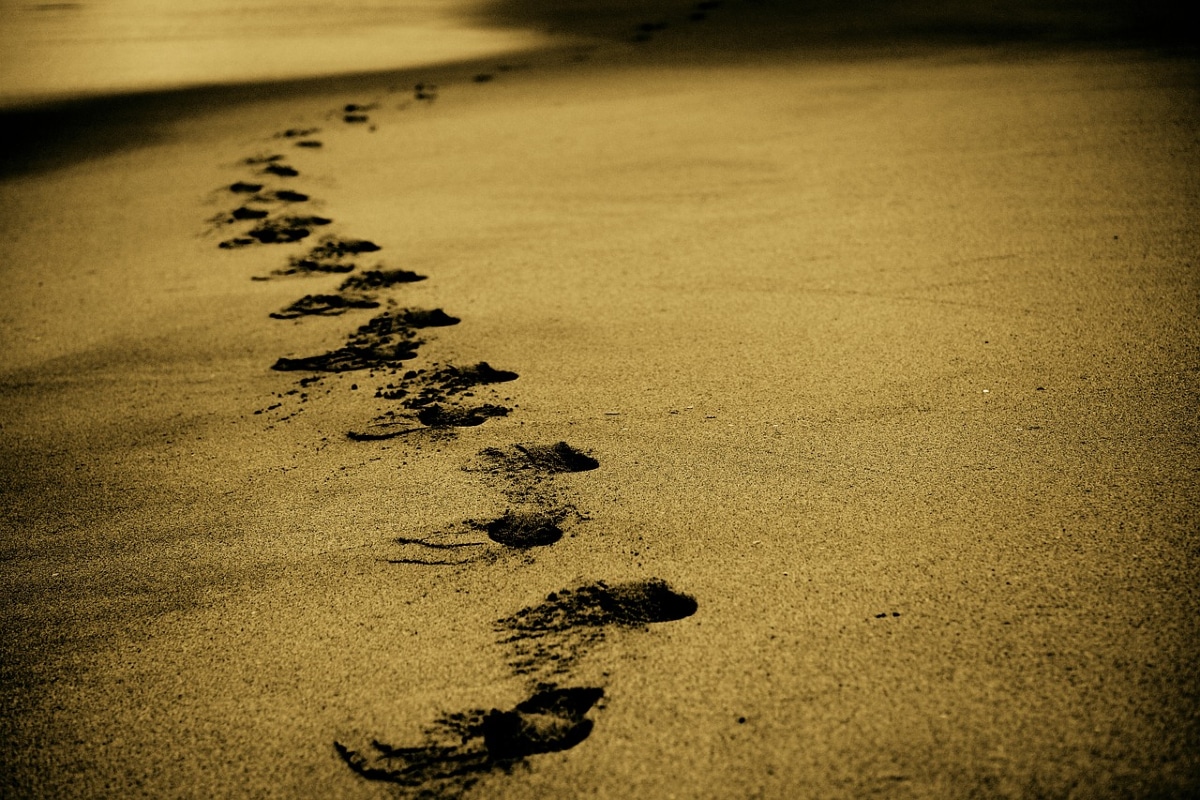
[(439, 416), (545, 458), (524, 470), (437, 420)]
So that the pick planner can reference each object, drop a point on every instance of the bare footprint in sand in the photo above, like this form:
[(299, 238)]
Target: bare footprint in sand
[(385, 342), (527, 471), (325, 305), (282, 230), (288, 196), (281, 170), (548, 639), (331, 255), (458, 749), (475, 540), (355, 292), (541, 517), (438, 399), (521, 459), (375, 279)]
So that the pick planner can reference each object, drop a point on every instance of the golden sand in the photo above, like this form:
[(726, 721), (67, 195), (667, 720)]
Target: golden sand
[(888, 356)]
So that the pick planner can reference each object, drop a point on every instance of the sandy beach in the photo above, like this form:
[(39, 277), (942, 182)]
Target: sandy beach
[(712, 400)]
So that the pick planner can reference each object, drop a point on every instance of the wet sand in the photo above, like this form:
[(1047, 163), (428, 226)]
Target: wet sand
[(709, 416)]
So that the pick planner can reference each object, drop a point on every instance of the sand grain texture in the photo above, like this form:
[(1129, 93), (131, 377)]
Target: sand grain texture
[(885, 354)]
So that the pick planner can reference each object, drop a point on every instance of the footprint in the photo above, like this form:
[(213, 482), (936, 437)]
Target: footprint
[(288, 196), (551, 637), (432, 419), (439, 416), (524, 470), (244, 213), (425, 387), (542, 458), (458, 749), (331, 255), (378, 279), (438, 399), (309, 143), (525, 529), (245, 188), (297, 133), (385, 342), (282, 170), (540, 519), (353, 293), (356, 112), (282, 230), (473, 540), (326, 305)]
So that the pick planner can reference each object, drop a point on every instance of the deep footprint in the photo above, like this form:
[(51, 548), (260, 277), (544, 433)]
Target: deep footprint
[(472, 540), (551, 637), (459, 749), (525, 529)]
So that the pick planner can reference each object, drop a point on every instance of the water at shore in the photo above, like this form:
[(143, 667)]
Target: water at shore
[(64, 50), (52, 51)]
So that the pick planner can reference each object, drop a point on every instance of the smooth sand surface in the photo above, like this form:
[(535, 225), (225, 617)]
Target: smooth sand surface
[(888, 354), (54, 51)]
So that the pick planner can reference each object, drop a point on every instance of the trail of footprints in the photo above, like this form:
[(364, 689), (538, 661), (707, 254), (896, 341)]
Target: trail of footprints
[(434, 399), (541, 644)]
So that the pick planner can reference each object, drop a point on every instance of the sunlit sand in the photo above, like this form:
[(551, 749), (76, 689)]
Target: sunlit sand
[(711, 401)]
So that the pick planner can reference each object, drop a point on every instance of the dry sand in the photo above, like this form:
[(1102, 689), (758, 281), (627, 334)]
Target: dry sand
[(887, 352)]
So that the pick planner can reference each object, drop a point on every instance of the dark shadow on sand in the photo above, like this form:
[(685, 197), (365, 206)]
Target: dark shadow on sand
[(771, 25), (51, 136)]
